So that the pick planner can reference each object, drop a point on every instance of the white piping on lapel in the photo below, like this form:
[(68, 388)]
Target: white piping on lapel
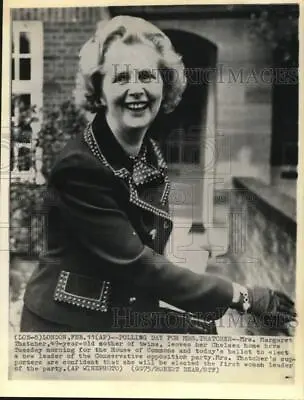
[(123, 173)]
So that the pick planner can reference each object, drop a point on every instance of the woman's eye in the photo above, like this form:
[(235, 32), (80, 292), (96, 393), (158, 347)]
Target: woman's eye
[(146, 76), (122, 78)]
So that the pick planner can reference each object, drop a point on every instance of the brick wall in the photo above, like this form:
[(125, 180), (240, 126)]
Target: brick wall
[(263, 235), (60, 14), (62, 43)]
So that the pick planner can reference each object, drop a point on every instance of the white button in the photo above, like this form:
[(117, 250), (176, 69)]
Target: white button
[(153, 233)]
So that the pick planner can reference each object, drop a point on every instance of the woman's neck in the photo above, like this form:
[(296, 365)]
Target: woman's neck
[(130, 140)]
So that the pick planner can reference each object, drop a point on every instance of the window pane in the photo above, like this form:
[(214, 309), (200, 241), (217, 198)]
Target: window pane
[(13, 105), (12, 158), (24, 43), (20, 104), (13, 68), (24, 159), (24, 101), (24, 133), (25, 69), (24, 118)]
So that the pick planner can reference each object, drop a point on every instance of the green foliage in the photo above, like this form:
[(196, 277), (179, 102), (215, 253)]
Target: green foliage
[(25, 218), (21, 130), (59, 125), (279, 29), (26, 233)]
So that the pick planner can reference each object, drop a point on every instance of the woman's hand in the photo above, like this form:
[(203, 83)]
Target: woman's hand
[(274, 307)]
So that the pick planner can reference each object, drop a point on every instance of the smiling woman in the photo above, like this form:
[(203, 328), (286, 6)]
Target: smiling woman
[(132, 91), (130, 32), (107, 211)]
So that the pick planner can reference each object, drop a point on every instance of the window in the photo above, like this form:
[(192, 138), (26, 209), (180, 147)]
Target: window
[(27, 79)]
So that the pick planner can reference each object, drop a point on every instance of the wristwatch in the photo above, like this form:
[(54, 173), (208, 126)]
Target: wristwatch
[(240, 300)]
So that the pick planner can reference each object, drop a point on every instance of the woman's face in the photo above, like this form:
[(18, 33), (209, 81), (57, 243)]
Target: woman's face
[(132, 88)]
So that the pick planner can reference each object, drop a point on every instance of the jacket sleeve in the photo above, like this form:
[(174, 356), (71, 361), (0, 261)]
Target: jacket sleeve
[(88, 205)]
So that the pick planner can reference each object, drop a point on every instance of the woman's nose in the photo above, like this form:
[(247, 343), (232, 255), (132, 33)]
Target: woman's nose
[(136, 90), (136, 94)]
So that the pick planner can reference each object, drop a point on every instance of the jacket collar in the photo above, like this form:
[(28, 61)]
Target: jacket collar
[(107, 142), (107, 149), (112, 149)]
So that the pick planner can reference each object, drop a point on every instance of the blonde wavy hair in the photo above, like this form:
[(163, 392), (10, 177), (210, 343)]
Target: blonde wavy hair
[(129, 30)]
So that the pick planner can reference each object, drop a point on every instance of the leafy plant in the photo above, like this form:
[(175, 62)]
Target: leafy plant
[(279, 28), (26, 198), (59, 125), (25, 219), (21, 131)]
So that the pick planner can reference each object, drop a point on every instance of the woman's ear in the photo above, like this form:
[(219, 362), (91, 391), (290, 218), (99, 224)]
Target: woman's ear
[(164, 107)]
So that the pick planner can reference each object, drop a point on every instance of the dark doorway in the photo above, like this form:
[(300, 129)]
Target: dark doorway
[(185, 126)]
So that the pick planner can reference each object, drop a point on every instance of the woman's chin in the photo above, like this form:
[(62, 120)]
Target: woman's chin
[(138, 123)]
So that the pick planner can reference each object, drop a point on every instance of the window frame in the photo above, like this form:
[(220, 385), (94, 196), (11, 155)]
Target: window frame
[(33, 87)]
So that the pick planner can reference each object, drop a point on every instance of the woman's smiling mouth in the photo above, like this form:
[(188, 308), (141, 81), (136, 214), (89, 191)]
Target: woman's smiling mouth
[(137, 106)]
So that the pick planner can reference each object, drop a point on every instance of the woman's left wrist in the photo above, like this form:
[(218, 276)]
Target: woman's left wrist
[(241, 299)]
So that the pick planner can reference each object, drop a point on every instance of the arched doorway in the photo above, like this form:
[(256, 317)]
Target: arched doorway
[(190, 129)]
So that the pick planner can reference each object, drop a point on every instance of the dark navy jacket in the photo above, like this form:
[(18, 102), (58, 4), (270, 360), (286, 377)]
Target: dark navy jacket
[(105, 230)]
